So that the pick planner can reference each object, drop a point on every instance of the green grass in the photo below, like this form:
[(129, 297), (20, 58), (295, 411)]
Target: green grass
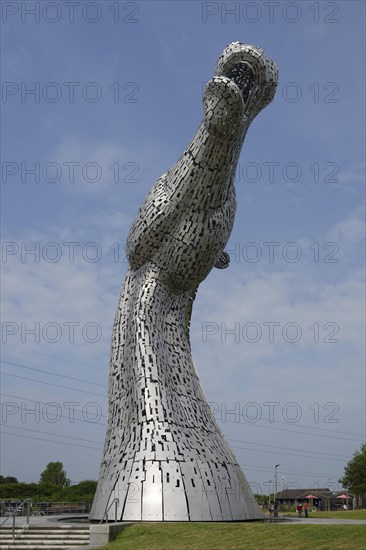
[(238, 536), (349, 514)]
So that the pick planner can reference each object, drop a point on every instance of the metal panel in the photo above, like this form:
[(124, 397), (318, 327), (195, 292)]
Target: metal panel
[(120, 492), (210, 493), (198, 506), (133, 502), (152, 493), (175, 504)]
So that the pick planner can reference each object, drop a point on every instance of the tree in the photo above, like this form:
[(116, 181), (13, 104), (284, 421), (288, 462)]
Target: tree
[(80, 492), (54, 474), (354, 478), (87, 486), (8, 479)]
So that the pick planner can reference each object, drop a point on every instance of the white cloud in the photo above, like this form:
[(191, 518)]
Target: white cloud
[(351, 230)]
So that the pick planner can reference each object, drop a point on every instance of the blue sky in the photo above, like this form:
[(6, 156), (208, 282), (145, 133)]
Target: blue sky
[(137, 85)]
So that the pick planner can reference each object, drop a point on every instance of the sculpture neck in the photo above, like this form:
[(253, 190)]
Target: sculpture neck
[(214, 151), (204, 174)]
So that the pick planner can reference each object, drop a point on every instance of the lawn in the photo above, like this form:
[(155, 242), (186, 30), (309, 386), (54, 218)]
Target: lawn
[(238, 536), (349, 514)]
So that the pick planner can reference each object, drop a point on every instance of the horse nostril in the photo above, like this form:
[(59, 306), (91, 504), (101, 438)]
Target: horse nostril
[(243, 76)]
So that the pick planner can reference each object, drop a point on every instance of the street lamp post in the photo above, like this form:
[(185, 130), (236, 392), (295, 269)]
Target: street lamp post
[(269, 490), (275, 484)]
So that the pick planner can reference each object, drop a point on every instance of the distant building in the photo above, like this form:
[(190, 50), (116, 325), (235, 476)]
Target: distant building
[(322, 499)]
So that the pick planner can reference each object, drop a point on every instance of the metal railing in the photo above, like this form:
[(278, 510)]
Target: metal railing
[(46, 508), (14, 513), (115, 501)]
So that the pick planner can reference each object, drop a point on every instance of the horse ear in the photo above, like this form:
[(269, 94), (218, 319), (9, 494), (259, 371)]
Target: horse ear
[(223, 260)]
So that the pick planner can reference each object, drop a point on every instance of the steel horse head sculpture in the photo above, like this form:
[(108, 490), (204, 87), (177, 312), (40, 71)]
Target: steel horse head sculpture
[(165, 458)]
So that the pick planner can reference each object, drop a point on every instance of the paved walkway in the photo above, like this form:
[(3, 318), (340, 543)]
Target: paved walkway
[(323, 521), (60, 520)]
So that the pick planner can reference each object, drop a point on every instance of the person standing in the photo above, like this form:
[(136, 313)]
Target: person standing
[(299, 510), (306, 509)]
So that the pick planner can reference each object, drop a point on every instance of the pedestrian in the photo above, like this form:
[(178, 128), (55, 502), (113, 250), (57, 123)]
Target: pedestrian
[(306, 509), (299, 510), (270, 509)]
